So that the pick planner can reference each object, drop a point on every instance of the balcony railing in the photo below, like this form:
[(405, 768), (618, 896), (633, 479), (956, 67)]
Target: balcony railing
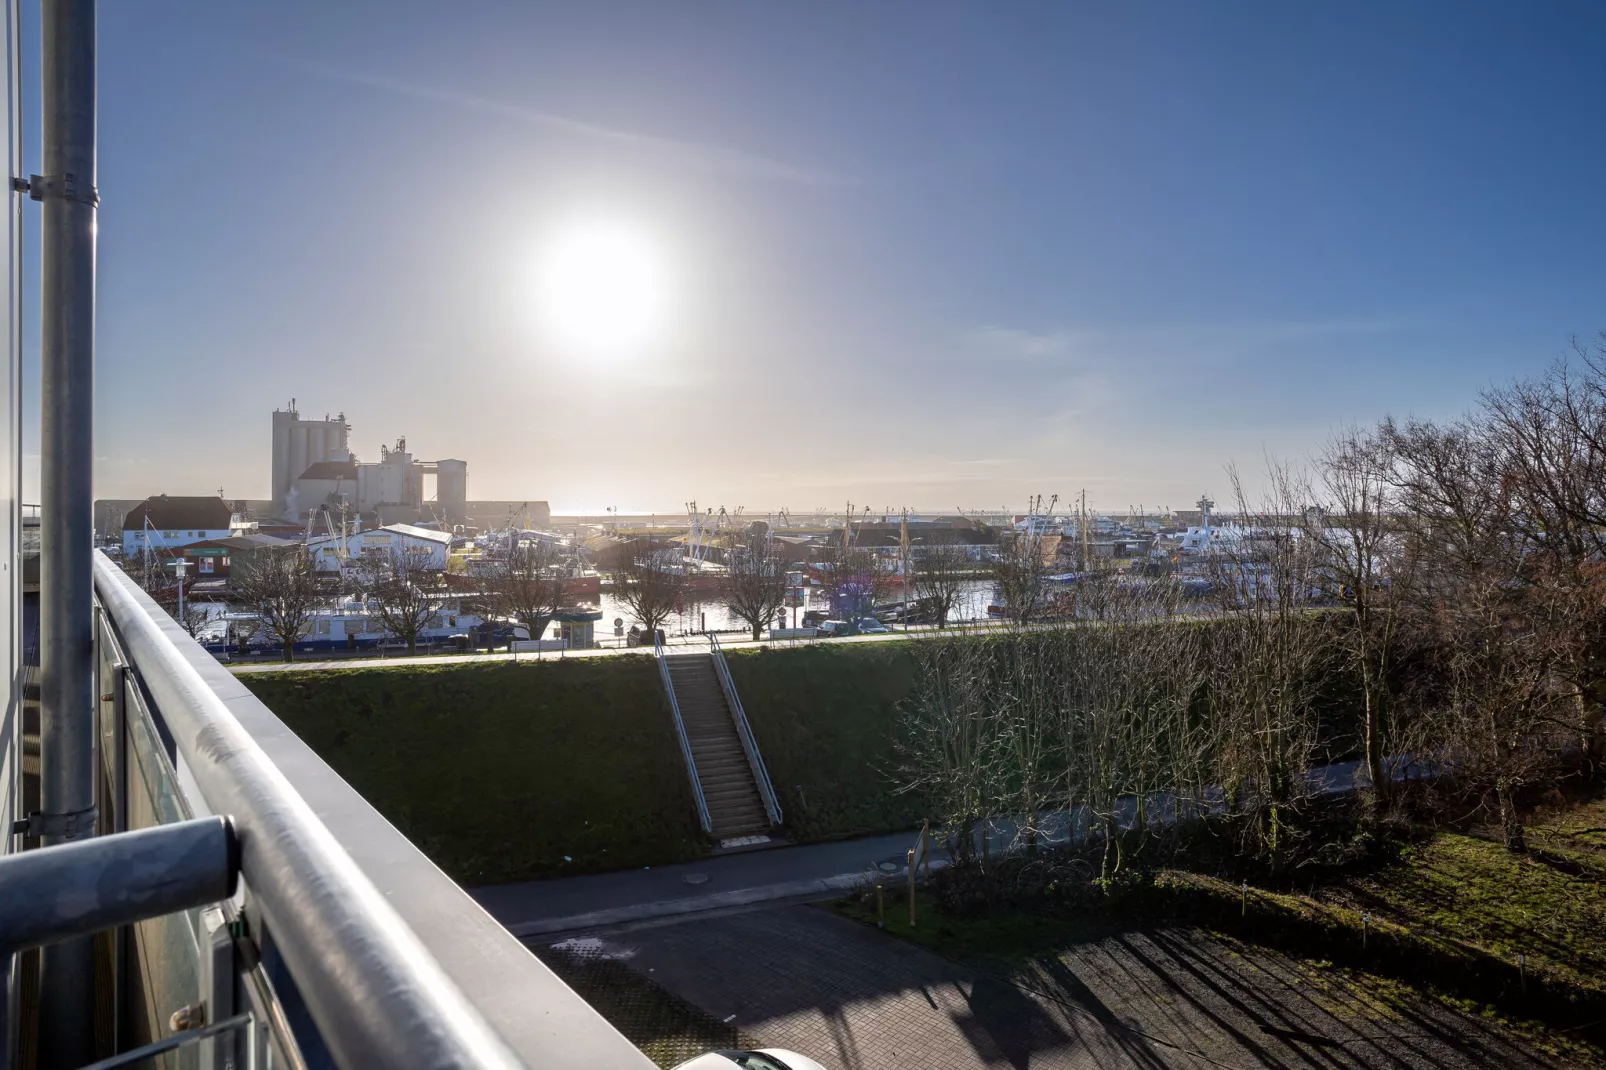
[(343, 946)]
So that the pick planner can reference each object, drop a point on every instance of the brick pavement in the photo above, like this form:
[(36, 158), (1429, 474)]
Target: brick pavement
[(802, 978)]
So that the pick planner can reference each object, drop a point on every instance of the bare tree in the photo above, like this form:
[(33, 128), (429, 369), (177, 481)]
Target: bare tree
[(941, 566), (282, 588), (1023, 696), (404, 594), (1492, 611), (1550, 432), (856, 576), (1093, 718), (651, 587), (951, 746), (1122, 721), (1267, 659), (195, 618), (754, 586), (1023, 556), (1370, 568), (528, 586)]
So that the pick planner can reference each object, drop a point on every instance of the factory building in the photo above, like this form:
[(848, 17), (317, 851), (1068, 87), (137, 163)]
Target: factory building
[(313, 467), (298, 445)]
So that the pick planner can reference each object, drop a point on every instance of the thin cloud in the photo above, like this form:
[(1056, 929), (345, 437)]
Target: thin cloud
[(1017, 342), (1089, 342), (697, 155)]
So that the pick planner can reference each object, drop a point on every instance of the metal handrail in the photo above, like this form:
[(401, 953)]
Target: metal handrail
[(375, 993), (680, 733), (755, 760)]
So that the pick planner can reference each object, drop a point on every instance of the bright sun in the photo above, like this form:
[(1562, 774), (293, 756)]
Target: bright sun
[(603, 289)]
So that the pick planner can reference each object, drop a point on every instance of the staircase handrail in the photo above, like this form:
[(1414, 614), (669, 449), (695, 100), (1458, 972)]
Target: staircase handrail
[(755, 760), (680, 733)]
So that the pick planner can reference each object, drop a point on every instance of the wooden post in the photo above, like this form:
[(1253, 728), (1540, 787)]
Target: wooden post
[(911, 862)]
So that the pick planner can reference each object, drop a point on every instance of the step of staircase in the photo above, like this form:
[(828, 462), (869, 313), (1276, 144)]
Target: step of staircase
[(735, 808)]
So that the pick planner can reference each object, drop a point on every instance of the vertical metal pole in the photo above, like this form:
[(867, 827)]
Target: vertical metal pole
[(119, 802), (67, 380), (11, 421)]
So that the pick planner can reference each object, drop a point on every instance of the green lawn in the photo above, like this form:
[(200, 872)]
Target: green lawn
[(826, 721), (1548, 905), (505, 772)]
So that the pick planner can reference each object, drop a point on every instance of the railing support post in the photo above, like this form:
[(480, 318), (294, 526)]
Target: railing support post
[(67, 381)]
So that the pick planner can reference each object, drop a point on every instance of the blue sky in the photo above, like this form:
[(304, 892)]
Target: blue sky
[(932, 255)]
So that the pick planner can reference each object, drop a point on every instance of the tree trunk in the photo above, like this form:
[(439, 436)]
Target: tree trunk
[(1031, 822), (1381, 786), (1510, 820), (412, 643), (965, 842), (289, 649), (1274, 839), (758, 630), (1594, 728)]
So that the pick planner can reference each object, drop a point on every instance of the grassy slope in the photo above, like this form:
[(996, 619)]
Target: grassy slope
[(1548, 905), (499, 771), (825, 717)]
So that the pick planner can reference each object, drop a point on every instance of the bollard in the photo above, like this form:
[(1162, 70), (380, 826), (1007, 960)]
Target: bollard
[(880, 909), (1243, 900), (910, 859), (1366, 927), (1522, 971)]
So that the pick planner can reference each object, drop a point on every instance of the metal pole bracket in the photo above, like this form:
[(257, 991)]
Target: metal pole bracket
[(78, 825), (62, 187)]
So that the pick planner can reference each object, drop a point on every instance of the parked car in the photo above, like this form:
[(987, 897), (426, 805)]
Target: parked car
[(871, 626), (829, 628), (763, 1059)]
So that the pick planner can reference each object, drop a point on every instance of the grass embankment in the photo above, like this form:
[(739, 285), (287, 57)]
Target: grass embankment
[(505, 772), (499, 771), (1455, 916), (826, 721)]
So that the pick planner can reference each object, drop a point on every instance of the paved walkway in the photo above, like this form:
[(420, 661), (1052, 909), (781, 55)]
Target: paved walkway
[(815, 871), (856, 999), (729, 641)]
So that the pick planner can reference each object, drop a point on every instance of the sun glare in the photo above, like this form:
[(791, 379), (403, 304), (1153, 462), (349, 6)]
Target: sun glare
[(603, 289)]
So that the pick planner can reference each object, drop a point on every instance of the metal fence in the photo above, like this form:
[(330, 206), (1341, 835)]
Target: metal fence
[(310, 963)]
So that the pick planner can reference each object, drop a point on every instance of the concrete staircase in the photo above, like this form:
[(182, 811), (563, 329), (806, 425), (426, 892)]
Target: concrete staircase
[(735, 808)]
